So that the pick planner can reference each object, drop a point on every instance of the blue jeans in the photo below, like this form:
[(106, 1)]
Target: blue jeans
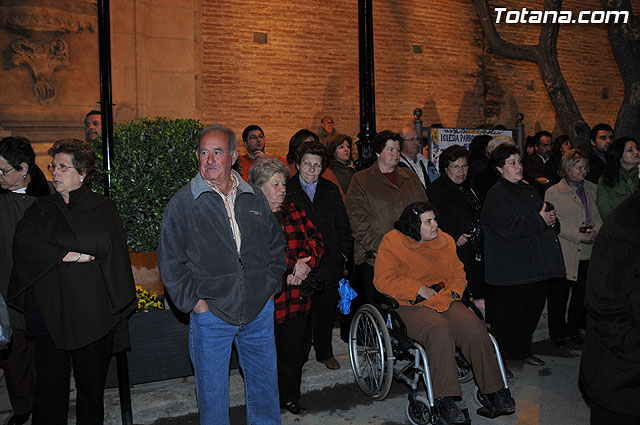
[(210, 340)]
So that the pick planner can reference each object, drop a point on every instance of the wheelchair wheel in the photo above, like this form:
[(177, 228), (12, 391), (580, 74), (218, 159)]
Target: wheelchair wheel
[(370, 352), (465, 373), (421, 414), (477, 397)]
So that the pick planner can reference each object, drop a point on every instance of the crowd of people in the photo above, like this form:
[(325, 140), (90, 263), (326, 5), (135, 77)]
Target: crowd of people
[(255, 245)]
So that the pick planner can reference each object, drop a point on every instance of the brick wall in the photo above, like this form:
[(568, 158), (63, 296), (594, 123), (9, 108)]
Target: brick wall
[(309, 67)]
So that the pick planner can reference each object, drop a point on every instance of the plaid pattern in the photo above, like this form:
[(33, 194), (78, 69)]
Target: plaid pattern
[(303, 240)]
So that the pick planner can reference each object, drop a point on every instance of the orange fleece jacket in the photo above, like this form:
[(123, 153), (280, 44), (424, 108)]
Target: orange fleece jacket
[(404, 265)]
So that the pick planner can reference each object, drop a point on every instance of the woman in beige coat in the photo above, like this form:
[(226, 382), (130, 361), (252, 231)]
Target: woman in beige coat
[(575, 201)]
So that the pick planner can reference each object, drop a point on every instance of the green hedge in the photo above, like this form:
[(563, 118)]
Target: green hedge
[(153, 158)]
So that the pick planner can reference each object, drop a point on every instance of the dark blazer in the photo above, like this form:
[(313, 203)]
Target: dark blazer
[(328, 215), (610, 372), (533, 167), (519, 247), (596, 166)]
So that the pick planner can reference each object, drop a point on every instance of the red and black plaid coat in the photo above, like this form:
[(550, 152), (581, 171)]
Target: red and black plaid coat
[(303, 240)]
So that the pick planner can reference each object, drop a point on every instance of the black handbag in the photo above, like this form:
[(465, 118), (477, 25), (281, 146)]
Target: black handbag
[(313, 283)]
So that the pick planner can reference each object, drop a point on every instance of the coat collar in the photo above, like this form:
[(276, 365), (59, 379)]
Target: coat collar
[(199, 186)]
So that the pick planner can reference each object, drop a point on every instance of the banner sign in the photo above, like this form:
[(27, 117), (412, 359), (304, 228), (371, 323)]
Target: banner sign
[(442, 138)]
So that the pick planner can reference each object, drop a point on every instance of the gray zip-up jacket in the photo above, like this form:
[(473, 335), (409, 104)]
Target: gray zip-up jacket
[(198, 258)]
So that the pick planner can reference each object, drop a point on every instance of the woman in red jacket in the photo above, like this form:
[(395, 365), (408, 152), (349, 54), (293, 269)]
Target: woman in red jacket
[(418, 266)]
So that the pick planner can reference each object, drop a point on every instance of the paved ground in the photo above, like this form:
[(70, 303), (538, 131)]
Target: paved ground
[(547, 395)]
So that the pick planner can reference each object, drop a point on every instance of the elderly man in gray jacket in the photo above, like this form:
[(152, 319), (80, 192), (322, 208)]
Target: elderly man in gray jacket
[(221, 256)]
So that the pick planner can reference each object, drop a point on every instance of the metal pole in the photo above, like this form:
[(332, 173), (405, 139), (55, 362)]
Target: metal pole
[(104, 37), (520, 136), (366, 156)]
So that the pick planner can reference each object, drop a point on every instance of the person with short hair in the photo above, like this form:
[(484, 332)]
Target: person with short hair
[(72, 278), (255, 142), (339, 162), (327, 129), (293, 305), (21, 183), (600, 138), (534, 164), (376, 198), (522, 252), (221, 257), (488, 177), (321, 201), (574, 199), (418, 266), (620, 176), (300, 136), (92, 125), (459, 209), (412, 159)]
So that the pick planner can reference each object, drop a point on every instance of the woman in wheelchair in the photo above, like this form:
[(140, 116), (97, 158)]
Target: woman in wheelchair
[(417, 265)]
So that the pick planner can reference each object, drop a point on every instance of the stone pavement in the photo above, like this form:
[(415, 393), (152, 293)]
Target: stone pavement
[(547, 395)]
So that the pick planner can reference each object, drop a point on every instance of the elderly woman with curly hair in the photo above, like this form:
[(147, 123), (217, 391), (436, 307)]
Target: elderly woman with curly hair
[(72, 278), (418, 266), (293, 305)]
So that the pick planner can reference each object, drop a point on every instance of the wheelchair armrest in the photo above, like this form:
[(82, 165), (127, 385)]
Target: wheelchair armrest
[(385, 300)]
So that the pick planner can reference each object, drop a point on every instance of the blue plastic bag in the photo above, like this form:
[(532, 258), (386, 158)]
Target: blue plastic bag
[(346, 295)]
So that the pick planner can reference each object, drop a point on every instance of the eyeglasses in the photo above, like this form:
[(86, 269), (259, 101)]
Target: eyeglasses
[(458, 167), (254, 137), (61, 167), (308, 164), (5, 172)]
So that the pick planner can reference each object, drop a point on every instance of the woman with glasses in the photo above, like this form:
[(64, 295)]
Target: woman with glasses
[(522, 252), (72, 278), (21, 183), (459, 209), (320, 200)]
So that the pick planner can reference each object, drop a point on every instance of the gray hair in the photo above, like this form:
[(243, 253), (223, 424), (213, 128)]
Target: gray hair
[(266, 167), (498, 140), (231, 136)]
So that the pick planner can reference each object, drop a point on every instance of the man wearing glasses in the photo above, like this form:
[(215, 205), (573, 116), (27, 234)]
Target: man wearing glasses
[(253, 138), (412, 159), (327, 129)]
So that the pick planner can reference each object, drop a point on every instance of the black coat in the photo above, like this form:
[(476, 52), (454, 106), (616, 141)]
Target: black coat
[(329, 216), (79, 302), (596, 166), (519, 247), (610, 368), (12, 208)]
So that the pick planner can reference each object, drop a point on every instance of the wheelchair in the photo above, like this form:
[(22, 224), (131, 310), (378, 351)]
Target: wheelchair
[(380, 351)]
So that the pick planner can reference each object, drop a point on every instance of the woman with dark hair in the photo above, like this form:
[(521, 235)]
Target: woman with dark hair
[(339, 169), (575, 201), (21, 183), (418, 266), (72, 278), (459, 209), (320, 200), (376, 198), (522, 252), (293, 304), (620, 177), (478, 160), (296, 140)]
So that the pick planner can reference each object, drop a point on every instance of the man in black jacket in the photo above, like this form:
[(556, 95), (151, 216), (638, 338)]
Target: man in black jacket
[(600, 139)]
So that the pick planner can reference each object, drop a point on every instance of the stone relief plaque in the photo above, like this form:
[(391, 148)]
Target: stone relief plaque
[(40, 46)]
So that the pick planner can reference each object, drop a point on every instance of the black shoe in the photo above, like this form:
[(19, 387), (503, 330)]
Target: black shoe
[(448, 410), (293, 407), (559, 341), (502, 402), (19, 419), (577, 339)]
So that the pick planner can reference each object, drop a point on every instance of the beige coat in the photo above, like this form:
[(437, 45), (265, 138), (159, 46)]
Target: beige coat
[(374, 204), (571, 215)]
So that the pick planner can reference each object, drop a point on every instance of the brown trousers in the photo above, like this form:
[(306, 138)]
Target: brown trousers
[(440, 333)]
